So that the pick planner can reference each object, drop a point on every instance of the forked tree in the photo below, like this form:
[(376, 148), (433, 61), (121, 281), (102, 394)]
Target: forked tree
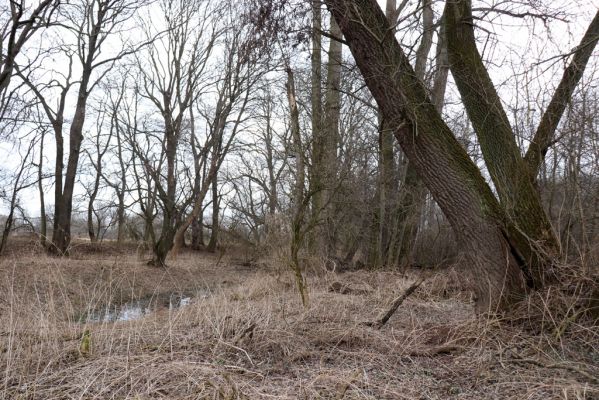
[(84, 26), (507, 240), (172, 73)]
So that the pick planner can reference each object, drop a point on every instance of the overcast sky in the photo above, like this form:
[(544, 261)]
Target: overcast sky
[(518, 48)]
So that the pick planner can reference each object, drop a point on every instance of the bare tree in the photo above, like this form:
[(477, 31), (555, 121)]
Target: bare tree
[(91, 22), (123, 157), (17, 29), (22, 178), (100, 150), (171, 85), (244, 63), (262, 180)]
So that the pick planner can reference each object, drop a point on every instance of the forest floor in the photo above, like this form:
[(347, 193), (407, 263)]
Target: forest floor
[(245, 335)]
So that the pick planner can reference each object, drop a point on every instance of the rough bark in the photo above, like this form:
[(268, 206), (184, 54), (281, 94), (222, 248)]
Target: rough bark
[(413, 198), (513, 180), (444, 166)]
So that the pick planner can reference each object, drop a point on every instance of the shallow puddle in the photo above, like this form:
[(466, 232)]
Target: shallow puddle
[(136, 309)]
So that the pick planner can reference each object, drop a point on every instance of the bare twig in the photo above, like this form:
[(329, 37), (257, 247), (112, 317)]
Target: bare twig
[(382, 320)]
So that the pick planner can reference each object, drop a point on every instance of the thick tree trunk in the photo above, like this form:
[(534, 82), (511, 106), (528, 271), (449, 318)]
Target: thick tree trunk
[(413, 193), (169, 218), (61, 237), (444, 166), (513, 180), (163, 246), (194, 218)]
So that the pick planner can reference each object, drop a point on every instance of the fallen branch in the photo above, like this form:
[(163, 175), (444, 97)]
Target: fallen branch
[(382, 320)]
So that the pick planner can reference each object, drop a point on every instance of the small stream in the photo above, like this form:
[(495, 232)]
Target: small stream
[(139, 308)]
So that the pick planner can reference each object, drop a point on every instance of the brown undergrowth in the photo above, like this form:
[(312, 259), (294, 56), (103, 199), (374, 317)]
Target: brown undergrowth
[(248, 337)]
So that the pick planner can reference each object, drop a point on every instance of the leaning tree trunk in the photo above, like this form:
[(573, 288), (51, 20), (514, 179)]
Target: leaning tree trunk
[(443, 165)]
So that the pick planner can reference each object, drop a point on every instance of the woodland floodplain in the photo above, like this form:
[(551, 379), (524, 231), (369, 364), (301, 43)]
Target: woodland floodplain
[(244, 333)]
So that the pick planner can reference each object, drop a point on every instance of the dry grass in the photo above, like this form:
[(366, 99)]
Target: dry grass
[(250, 338)]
